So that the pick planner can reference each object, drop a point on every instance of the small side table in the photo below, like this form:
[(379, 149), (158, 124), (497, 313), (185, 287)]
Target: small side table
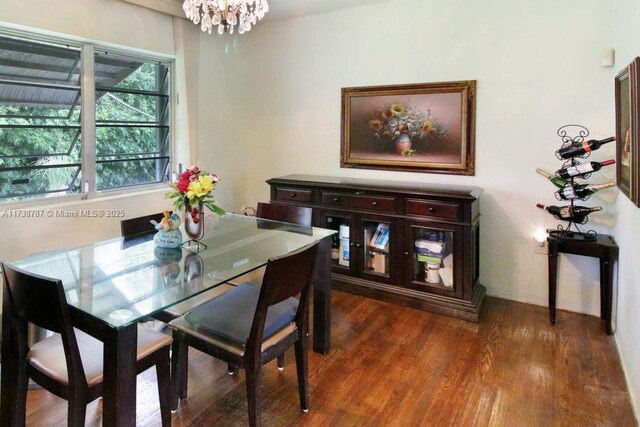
[(604, 248)]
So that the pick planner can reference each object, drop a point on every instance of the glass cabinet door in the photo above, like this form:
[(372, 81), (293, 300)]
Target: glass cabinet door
[(376, 241), (342, 243), (433, 259)]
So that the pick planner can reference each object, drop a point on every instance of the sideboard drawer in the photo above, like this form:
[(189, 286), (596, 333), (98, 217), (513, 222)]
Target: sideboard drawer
[(349, 200), (439, 209), (287, 194), (339, 200), (374, 203)]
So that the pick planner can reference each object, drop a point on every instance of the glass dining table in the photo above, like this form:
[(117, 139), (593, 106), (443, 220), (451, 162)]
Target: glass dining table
[(113, 285)]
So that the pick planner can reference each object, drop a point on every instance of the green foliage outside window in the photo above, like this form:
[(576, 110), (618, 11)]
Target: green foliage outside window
[(131, 128)]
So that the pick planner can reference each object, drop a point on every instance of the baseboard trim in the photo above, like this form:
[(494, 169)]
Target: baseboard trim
[(635, 404), (537, 300)]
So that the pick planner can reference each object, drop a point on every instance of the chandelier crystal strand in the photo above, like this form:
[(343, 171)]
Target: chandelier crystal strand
[(225, 14)]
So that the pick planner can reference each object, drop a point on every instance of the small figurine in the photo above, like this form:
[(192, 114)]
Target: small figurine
[(171, 221), (169, 235)]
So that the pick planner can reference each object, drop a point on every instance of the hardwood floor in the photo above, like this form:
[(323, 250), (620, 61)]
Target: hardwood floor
[(396, 366)]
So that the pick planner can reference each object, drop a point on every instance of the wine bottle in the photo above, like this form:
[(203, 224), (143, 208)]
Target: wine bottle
[(581, 191), (570, 213), (581, 148), (558, 182), (582, 169)]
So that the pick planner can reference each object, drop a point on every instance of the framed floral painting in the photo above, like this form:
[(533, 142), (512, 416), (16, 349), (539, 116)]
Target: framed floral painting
[(628, 130), (428, 127)]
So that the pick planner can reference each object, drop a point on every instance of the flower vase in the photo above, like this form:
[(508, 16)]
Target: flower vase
[(194, 228), (403, 144)]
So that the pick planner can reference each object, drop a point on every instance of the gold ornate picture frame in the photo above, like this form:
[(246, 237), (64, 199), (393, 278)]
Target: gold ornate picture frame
[(428, 127), (627, 93)]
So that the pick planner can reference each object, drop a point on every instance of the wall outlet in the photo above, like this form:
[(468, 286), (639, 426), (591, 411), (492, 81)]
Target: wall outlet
[(540, 248)]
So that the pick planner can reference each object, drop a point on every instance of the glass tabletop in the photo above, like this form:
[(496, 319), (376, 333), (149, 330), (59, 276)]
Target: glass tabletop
[(122, 281)]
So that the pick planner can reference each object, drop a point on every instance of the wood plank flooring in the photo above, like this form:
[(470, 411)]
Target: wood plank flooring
[(396, 366)]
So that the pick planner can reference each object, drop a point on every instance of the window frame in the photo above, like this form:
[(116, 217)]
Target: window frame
[(88, 49)]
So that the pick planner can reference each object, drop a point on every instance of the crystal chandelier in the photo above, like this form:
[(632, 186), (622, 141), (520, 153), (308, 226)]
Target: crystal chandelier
[(225, 14)]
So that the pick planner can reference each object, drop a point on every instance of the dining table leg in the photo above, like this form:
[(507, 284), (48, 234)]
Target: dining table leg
[(322, 298), (119, 386)]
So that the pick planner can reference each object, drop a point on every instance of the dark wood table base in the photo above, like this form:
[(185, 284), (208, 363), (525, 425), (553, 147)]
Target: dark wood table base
[(606, 250)]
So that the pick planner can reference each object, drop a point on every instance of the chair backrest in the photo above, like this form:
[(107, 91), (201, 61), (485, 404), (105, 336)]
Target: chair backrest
[(140, 225), (31, 298), (286, 213), (284, 277)]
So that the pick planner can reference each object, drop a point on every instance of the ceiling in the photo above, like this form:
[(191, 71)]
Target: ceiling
[(285, 9), (278, 9)]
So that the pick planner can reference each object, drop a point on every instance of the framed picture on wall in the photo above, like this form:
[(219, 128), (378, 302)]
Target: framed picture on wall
[(627, 93), (428, 127)]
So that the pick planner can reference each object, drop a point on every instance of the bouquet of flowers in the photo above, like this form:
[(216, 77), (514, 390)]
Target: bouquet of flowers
[(194, 189), (399, 119)]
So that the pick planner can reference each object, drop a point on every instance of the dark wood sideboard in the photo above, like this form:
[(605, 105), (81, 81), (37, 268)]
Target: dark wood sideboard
[(406, 243)]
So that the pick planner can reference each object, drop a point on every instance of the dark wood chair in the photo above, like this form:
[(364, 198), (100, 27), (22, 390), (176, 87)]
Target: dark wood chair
[(140, 225), (298, 215), (250, 326), (69, 363)]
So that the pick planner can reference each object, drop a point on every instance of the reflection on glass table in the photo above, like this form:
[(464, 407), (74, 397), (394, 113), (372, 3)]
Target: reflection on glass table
[(122, 283)]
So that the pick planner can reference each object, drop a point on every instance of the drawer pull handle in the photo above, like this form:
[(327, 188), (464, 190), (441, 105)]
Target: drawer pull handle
[(292, 195), (358, 245), (359, 193), (352, 244), (374, 203), (406, 254), (432, 210), (336, 199)]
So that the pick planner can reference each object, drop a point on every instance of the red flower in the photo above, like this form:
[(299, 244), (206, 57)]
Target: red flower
[(185, 174), (183, 185)]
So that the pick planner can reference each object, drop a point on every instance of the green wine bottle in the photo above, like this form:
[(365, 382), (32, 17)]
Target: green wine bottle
[(558, 182), (576, 214)]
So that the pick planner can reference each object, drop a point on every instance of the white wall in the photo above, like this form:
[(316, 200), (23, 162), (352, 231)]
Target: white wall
[(226, 114), (277, 91), (626, 38), (106, 21)]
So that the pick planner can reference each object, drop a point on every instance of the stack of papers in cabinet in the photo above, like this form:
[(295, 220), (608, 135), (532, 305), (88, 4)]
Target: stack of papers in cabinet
[(429, 248)]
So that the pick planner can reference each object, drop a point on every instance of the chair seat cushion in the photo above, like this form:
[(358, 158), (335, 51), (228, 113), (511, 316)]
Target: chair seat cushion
[(180, 324), (47, 355), (230, 316)]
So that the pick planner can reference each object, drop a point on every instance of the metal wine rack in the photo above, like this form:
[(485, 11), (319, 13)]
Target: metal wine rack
[(571, 231)]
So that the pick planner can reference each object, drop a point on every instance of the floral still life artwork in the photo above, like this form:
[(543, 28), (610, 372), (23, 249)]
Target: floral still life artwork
[(426, 127), (402, 124)]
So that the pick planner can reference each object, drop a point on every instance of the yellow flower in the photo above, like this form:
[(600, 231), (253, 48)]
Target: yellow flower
[(397, 110), (206, 182), (201, 187), (427, 127), (375, 124)]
